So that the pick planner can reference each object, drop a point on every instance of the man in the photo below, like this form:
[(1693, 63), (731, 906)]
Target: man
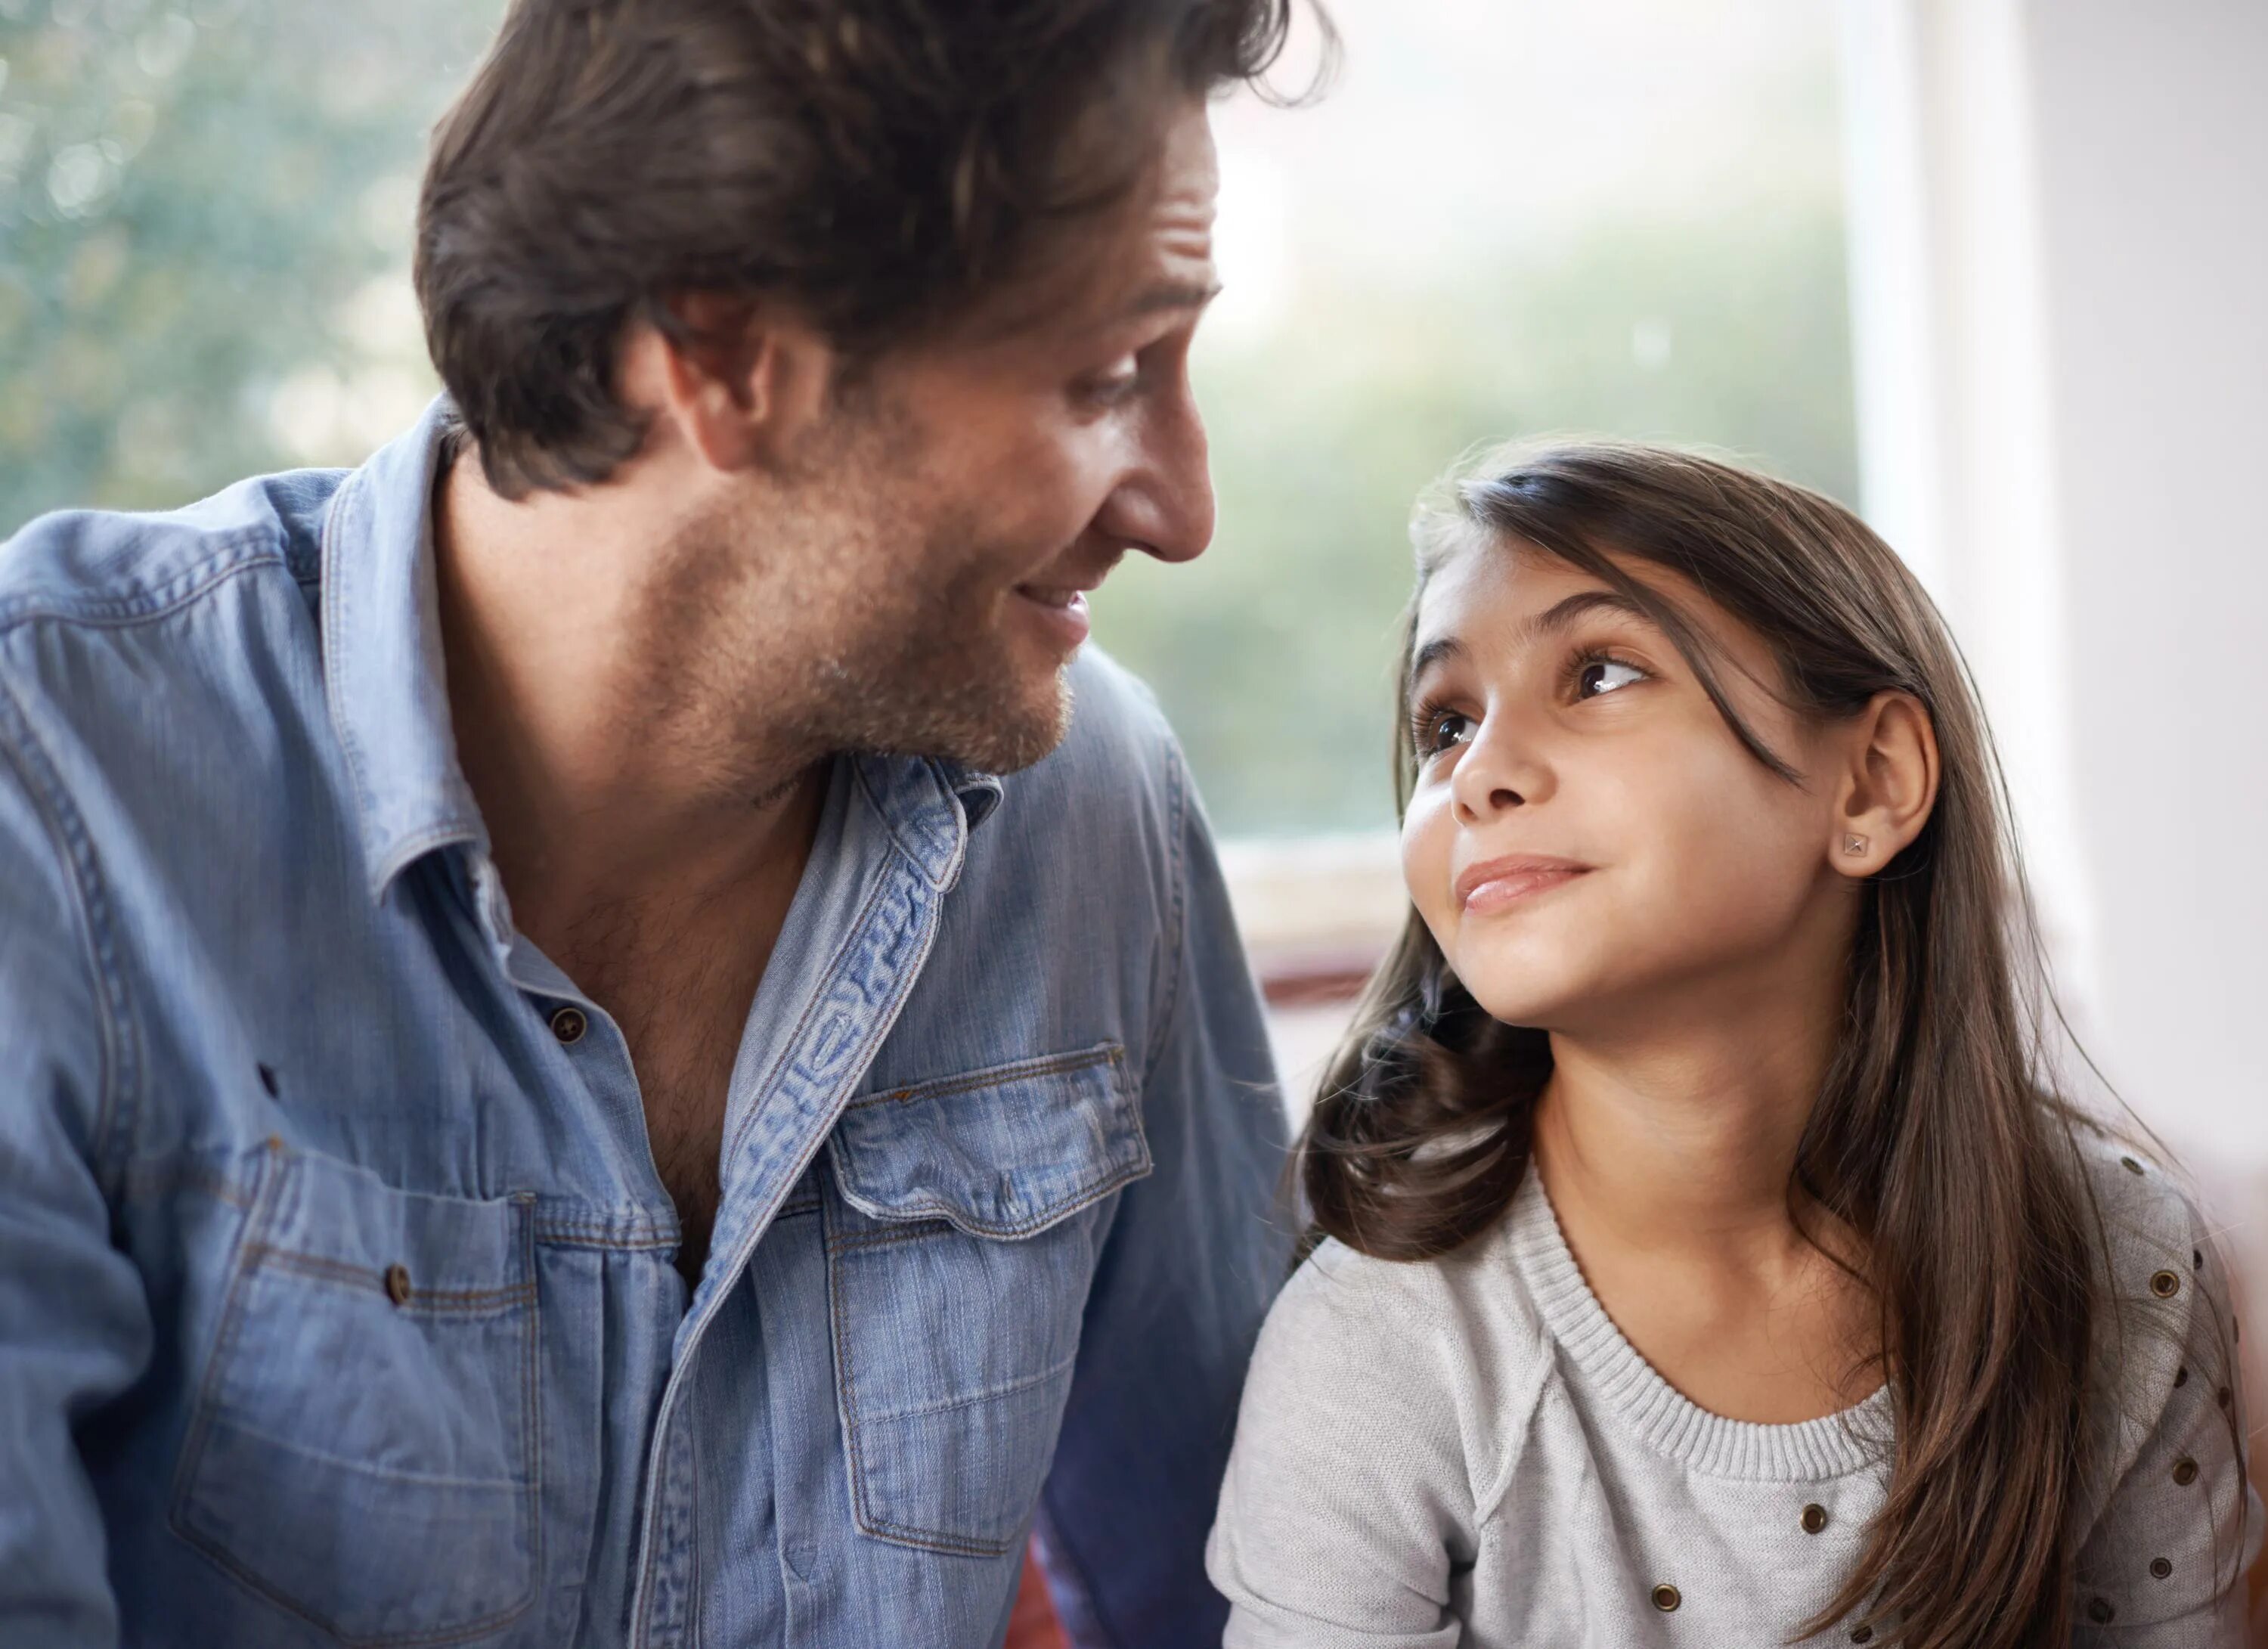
[(572, 1069)]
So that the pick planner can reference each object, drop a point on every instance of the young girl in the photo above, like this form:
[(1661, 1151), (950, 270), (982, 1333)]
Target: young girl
[(1711, 1260)]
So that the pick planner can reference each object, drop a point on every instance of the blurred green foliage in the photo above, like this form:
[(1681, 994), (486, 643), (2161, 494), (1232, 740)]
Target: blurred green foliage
[(193, 198), (205, 213)]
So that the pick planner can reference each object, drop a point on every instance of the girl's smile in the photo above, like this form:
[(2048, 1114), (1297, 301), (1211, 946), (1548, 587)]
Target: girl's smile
[(1496, 885)]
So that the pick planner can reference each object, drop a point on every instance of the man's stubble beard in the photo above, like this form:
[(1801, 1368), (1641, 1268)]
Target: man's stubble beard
[(920, 666), (816, 634)]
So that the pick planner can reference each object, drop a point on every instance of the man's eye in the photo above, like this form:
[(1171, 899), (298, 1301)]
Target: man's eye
[(1114, 386), (1604, 675)]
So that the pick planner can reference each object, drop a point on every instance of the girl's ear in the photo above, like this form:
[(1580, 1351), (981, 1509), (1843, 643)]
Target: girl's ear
[(1887, 785)]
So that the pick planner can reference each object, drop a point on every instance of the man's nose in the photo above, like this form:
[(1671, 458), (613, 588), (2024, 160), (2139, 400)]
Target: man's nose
[(1164, 506)]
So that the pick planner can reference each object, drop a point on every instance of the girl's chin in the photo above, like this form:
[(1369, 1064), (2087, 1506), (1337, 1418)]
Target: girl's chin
[(1527, 1007)]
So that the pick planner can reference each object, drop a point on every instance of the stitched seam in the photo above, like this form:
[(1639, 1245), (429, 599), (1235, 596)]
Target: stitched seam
[(925, 916), (532, 1411), (558, 1236), (860, 1496), (439, 1299), (770, 1079), (937, 1224), (231, 1320), (909, 851), (932, 1212), (921, 1231), (332, 624), (1177, 824), (999, 1076), (118, 1077), (862, 1512), (364, 1469), (123, 612), (208, 1404), (927, 1540), (991, 1393)]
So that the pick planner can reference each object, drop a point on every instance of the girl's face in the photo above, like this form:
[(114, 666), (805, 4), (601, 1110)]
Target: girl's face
[(1591, 844)]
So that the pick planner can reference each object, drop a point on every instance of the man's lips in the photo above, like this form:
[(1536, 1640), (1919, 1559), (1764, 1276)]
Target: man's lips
[(1494, 884), (1055, 595), (1061, 611)]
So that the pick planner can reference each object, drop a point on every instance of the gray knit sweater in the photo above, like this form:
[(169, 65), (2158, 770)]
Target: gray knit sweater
[(1468, 1452)]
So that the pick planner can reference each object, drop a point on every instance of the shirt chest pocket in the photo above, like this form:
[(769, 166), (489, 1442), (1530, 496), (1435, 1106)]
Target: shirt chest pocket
[(364, 1453), (963, 1226)]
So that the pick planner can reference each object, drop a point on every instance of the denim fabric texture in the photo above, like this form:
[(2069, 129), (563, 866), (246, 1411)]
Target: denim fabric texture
[(338, 1301)]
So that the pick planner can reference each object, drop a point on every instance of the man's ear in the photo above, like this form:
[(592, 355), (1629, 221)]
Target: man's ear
[(740, 377), (1888, 784)]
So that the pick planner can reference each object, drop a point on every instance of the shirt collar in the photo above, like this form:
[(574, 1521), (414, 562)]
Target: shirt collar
[(389, 701), (382, 657)]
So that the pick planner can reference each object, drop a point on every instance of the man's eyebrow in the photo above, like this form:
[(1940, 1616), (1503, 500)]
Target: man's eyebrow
[(1555, 618)]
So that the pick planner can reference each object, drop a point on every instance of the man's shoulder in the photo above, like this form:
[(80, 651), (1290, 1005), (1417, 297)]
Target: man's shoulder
[(111, 568), (1117, 768), (156, 670), (1095, 838), (1118, 730)]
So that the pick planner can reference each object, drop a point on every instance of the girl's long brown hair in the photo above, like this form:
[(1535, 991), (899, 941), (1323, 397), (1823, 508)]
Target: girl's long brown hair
[(1936, 1138)]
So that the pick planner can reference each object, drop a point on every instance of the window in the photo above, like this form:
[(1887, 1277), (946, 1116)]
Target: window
[(1510, 218)]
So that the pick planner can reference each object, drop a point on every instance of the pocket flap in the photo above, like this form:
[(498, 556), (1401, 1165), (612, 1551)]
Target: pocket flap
[(1001, 1152)]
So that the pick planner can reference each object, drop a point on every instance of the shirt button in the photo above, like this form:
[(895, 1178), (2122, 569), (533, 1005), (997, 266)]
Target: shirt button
[(1815, 1518), (2166, 1285), (2099, 1611), (567, 1025), (397, 1284), (2185, 1472), (2161, 1567), (1666, 1598)]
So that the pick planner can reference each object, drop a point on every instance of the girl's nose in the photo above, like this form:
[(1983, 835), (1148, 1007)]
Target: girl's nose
[(1496, 774)]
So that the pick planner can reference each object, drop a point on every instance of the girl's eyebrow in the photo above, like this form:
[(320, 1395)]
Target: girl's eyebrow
[(1549, 623)]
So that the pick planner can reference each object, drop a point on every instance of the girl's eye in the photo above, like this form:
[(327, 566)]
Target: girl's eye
[(1442, 728), (1595, 677)]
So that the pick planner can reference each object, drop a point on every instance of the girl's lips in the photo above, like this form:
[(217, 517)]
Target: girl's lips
[(1497, 883)]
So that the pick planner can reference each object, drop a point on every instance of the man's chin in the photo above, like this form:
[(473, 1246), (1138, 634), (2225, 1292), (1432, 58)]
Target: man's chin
[(1024, 732), (1003, 730)]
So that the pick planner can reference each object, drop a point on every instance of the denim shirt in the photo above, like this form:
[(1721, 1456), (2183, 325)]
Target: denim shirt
[(338, 1301)]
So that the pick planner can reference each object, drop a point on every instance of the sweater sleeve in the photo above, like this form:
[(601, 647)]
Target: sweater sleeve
[(1348, 1501), (2162, 1565)]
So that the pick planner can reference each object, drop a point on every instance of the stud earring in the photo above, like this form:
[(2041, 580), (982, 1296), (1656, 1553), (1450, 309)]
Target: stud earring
[(1855, 846)]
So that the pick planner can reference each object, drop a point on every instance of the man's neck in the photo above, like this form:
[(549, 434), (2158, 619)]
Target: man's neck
[(599, 772)]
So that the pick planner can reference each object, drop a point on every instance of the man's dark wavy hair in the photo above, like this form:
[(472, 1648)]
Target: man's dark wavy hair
[(883, 165)]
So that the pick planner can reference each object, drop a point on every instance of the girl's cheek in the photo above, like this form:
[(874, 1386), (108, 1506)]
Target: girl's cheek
[(1428, 835)]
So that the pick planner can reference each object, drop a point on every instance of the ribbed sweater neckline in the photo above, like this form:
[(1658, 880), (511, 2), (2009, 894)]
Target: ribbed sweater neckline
[(1854, 1440)]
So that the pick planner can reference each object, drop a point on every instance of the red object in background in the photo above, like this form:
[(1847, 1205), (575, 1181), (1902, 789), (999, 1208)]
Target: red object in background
[(1033, 1625)]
